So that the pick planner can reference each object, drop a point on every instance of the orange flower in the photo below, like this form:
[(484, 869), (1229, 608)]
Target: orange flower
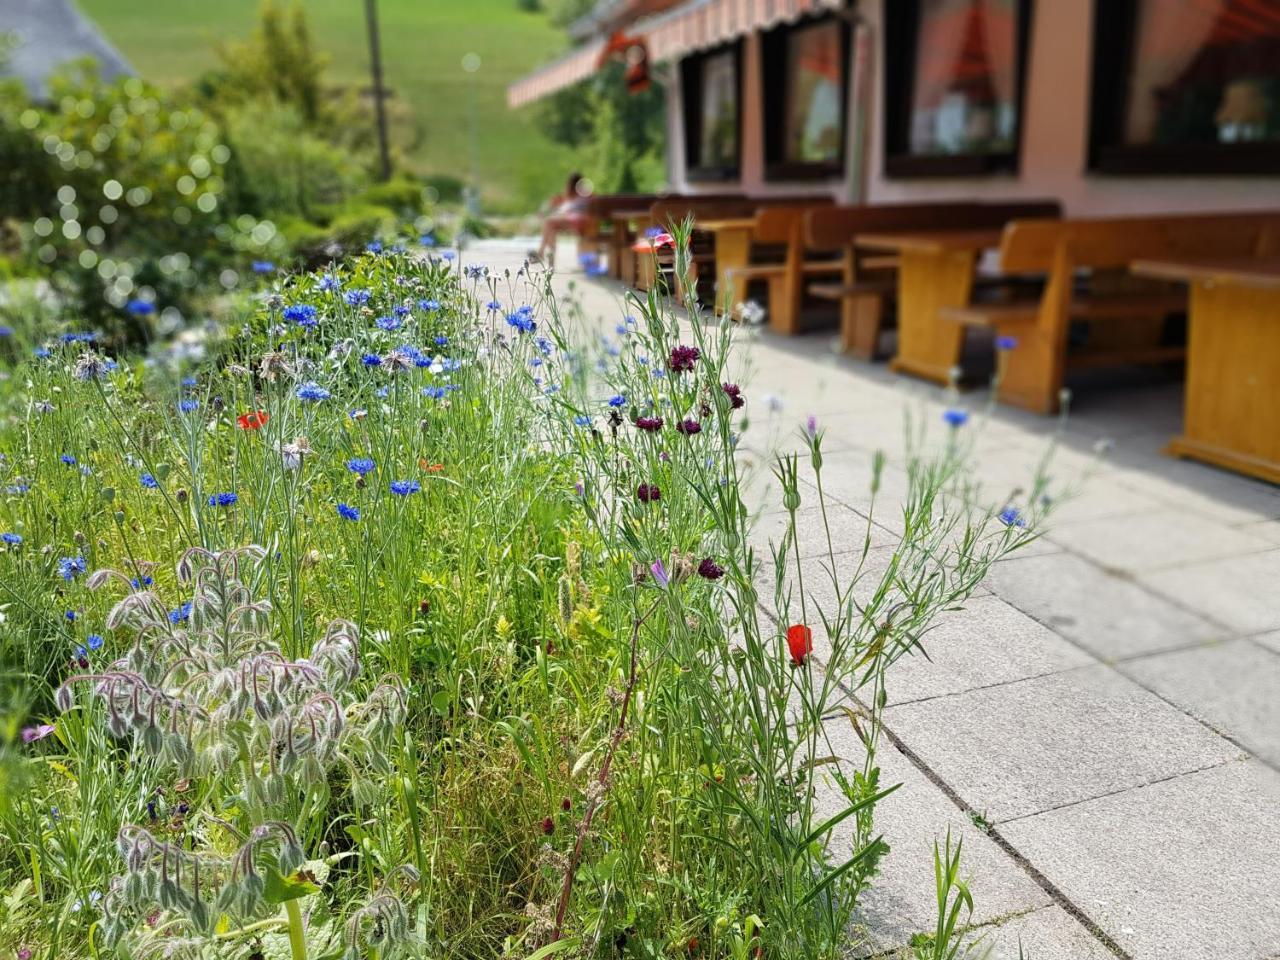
[(799, 642), (253, 420)]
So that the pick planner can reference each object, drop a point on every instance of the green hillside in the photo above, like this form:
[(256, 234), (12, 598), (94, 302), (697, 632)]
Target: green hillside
[(423, 42)]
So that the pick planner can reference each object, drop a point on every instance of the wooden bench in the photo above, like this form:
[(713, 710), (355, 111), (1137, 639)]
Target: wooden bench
[(1115, 319), (712, 252), (869, 280), (779, 226)]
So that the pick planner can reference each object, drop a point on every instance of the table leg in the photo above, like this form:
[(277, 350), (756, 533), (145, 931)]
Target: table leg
[(1232, 418), (928, 347), (733, 250)]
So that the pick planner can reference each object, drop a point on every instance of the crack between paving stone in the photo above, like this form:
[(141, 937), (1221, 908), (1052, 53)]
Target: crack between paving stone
[(1115, 793)]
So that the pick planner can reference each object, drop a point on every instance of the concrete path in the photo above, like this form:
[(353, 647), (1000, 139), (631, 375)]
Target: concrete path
[(1102, 724)]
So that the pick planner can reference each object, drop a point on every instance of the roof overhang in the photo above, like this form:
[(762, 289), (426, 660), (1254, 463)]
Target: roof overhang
[(693, 26)]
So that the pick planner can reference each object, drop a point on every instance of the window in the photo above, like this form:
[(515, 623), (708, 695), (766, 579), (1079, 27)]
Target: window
[(1186, 86), (806, 70), (712, 116), (953, 85)]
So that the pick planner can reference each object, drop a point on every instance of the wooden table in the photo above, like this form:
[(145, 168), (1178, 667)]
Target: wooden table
[(935, 270), (1232, 407), (622, 264), (732, 250)]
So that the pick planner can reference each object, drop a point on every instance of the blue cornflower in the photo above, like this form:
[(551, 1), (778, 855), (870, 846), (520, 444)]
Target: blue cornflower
[(94, 641), (81, 654), (582, 420), (140, 308), (222, 499), (493, 306), (361, 465), (70, 615), (78, 337), (13, 539), (71, 567), (329, 283), (955, 417), (427, 240), (401, 311), (405, 487), (188, 405), (348, 512), (40, 353), (6, 331), (263, 266), (435, 392), (1012, 517), (189, 381), (387, 323), (356, 298), (474, 271), (371, 360), (182, 613), (68, 459), (373, 246), (449, 255), (303, 314), (17, 489), (312, 392), (429, 305), (617, 400), (139, 582), (149, 481)]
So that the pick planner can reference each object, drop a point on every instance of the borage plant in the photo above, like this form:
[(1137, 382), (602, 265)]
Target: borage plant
[(254, 738)]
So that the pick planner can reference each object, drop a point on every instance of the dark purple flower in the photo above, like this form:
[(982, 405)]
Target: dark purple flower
[(683, 358), (648, 493), (710, 570), (734, 393), (649, 424), (689, 427)]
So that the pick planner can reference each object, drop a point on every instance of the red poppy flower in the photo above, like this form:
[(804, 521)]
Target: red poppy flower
[(253, 420), (799, 642)]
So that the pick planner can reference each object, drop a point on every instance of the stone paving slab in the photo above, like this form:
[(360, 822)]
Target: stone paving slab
[(1241, 592), (848, 528), (1110, 616), (1184, 869), (1050, 933), (901, 900), (1029, 746), (1269, 640), (1234, 687), (987, 643), (1154, 540)]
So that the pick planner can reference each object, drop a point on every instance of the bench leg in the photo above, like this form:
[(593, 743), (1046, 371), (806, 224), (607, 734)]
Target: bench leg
[(1031, 374), (783, 317), (861, 320)]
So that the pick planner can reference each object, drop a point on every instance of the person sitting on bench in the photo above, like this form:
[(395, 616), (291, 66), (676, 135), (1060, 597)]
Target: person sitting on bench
[(567, 213)]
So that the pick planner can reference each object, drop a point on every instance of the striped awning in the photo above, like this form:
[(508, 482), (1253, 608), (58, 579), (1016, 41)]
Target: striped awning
[(696, 25)]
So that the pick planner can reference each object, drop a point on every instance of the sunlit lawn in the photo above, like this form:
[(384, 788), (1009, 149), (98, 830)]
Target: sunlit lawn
[(423, 44)]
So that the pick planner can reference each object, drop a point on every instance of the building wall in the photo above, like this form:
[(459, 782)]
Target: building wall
[(1054, 136)]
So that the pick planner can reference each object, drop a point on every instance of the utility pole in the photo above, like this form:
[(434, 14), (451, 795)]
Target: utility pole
[(379, 93)]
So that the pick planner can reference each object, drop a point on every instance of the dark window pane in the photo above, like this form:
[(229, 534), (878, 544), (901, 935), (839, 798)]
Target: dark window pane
[(719, 140), (814, 117), (964, 94), (1204, 71)]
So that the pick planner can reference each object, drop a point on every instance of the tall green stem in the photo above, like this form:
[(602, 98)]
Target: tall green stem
[(297, 941)]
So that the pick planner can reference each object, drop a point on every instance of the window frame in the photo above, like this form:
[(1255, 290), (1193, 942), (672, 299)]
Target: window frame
[(773, 98), (1114, 35), (691, 89), (901, 41)]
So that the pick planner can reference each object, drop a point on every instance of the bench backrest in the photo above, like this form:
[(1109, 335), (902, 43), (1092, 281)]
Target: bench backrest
[(674, 210), (836, 226), (1031, 246)]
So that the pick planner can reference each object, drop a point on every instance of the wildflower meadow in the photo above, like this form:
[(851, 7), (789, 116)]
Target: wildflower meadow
[(398, 617)]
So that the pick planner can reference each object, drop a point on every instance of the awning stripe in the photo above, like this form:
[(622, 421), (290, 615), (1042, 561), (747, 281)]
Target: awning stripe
[(695, 26)]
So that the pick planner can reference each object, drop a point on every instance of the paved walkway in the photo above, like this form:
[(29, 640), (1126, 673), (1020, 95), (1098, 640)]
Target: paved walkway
[(1102, 724)]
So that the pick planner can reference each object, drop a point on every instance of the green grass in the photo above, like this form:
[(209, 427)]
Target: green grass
[(423, 42)]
